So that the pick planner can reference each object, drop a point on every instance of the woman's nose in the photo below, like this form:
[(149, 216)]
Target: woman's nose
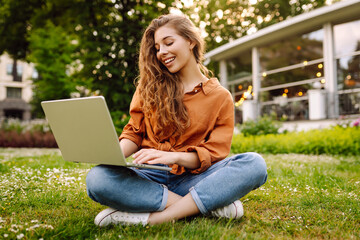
[(162, 51)]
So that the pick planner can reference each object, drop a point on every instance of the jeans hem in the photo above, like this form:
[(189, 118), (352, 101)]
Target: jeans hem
[(164, 199), (198, 201)]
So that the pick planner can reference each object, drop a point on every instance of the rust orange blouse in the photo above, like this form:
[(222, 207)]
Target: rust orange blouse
[(211, 112)]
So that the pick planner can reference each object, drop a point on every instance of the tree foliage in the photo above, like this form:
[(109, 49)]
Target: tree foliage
[(104, 58), (109, 36), (52, 52), (98, 40), (15, 26), (225, 20)]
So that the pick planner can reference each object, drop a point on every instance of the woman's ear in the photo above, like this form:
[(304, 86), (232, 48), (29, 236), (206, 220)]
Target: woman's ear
[(192, 45)]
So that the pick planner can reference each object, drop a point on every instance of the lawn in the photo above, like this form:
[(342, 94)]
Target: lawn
[(306, 197)]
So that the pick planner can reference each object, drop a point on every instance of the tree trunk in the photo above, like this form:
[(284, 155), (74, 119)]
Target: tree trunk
[(16, 77)]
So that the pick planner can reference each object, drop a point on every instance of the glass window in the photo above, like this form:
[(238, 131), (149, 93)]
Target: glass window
[(349, 103), (299, 58), (348, 72), (19, 70), (347, 50), (239, 70), (292, 51), (35, 74), (289, 68), (12, 92), (239, 67), (9, 69), (347, 38), (288, 92), (297, 110), (293, 75), (241, 89)]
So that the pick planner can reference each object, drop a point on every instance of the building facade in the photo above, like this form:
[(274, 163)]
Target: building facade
[(15, 88), (304, 68)]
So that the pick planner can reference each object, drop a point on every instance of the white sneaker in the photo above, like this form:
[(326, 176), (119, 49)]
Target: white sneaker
[(110, 215), (233, 210)]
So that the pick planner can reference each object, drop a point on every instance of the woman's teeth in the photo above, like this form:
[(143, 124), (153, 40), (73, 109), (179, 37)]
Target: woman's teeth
[(169, 60)]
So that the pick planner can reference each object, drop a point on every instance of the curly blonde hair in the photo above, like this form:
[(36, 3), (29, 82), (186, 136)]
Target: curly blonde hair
[(162, 91)]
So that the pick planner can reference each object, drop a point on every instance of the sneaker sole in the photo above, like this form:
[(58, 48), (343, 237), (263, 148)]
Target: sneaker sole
[(98, 223)]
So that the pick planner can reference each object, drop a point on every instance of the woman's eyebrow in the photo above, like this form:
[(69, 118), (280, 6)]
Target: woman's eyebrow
[(163, 39)]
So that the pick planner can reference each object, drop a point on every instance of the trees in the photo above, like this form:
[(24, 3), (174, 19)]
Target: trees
[(109, 34), (225, 20), (51, 49), (98, 40), (15, 28), (102, 60)]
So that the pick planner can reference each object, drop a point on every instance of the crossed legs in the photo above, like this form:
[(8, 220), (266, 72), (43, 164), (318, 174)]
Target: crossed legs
[(222, 184), (177, 207)]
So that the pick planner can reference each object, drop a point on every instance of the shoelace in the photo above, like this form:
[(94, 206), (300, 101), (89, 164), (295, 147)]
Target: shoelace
[(125, 217)]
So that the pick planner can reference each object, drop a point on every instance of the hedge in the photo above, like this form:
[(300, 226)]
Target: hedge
[(28, 139), (333, 141)]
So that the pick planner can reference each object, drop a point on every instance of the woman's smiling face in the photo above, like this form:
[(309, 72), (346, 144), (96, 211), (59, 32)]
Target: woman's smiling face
[(172, 50)]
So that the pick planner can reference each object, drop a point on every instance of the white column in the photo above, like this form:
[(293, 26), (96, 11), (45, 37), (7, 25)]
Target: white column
[(255, 72), (223, 74), (256, 80), (249, 110), (317, 104), (330, 72)]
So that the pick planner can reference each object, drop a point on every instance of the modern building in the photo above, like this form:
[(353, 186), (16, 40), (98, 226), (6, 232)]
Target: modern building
[(15, 89), (303, 68)]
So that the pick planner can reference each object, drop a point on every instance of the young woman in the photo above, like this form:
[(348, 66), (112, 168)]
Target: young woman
[(182, 118)]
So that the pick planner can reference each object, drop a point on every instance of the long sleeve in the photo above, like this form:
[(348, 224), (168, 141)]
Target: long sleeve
[(135, 129), (216, 145), (211, 112)]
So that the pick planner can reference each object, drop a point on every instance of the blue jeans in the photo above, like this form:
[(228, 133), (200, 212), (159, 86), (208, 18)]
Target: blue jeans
[(146, 190)]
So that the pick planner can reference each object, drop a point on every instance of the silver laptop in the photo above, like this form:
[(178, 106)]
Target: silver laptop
[(84, 132)]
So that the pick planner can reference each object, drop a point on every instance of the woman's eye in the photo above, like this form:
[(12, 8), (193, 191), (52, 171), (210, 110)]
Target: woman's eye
[(169, 44)]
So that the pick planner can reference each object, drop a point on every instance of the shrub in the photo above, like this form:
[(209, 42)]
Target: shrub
[(14, 133), (27, 139), (37, 133), (264, 125), (12, 125), (333, 141)]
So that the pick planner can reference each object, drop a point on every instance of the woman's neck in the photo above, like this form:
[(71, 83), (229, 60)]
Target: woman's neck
[(191, 76)]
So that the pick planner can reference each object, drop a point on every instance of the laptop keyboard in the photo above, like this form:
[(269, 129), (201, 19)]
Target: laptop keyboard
[(140, 165)]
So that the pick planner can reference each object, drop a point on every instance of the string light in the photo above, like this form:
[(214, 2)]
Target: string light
[(245, 95)]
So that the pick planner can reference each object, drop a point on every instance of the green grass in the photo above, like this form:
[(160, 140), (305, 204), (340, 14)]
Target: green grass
[(332, 141), (306, 197)]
